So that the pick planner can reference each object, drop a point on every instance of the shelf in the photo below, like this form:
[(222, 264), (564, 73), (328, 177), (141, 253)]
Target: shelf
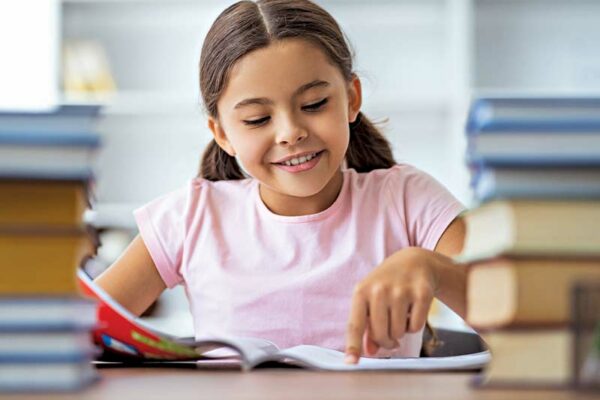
[(542, 92), (137, 1), (145, 102), (142, 102), (112, 216), (407, 103)]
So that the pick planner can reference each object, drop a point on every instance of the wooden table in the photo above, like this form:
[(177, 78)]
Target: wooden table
[(179, 384)]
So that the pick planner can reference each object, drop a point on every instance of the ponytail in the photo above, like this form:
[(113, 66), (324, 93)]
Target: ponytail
[(368, 148), (217, 165)]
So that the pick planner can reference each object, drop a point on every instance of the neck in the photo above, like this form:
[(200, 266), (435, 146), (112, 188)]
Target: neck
[(291, 206)]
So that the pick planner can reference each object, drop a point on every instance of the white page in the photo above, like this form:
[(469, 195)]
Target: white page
[(251, 350), (327, 359)]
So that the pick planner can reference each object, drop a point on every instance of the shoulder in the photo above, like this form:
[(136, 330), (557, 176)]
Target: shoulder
[(397, 179), (196, 195), (223, 190), (423, 205), (399, 189)]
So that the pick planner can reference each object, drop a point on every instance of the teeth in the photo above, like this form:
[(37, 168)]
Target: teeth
[(300, 160)]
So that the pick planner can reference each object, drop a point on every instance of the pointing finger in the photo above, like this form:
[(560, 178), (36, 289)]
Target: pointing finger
[(356, 328)]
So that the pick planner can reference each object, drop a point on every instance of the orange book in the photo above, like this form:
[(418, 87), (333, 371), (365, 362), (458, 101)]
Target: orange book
[(43, 261), (42, 202)]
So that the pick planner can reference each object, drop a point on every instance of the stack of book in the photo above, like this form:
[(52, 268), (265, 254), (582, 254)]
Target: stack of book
[(45, 182), (535, 232)]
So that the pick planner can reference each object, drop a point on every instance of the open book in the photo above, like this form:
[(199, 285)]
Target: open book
[(121, 333)]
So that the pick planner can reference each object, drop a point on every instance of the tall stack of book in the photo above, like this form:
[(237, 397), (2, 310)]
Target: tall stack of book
[(535, 164), (45, 182)]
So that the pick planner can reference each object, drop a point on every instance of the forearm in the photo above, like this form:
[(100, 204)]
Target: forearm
[(133, 280), (451, 285)]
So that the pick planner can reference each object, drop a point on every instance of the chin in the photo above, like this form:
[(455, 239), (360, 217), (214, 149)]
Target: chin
[(296, 189), (302, 192)]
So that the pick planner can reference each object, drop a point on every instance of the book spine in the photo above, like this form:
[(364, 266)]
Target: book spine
[(85, 139), (514, 127), (531, 160)]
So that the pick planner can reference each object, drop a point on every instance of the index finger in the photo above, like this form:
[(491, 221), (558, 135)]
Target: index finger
[(356, 327)]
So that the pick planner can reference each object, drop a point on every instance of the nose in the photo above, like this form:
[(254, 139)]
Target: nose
[(290, 132)]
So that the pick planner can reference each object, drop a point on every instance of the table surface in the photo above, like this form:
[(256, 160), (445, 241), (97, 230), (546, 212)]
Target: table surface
[(179, 384)]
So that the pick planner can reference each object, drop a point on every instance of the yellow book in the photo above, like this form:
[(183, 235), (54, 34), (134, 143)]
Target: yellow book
[(42, 203), (43, 262), (507, 291), (532, 227), (529, 358)]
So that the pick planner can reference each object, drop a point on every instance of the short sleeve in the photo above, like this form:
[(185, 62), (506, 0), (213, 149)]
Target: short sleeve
[(161, 224), (424, 204)]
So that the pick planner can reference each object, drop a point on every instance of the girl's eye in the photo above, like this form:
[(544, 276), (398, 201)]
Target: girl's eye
[(310, 108), (256, 122), (315, 106)]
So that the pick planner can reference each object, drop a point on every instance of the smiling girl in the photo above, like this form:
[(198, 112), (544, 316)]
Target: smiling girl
[(301, 228)]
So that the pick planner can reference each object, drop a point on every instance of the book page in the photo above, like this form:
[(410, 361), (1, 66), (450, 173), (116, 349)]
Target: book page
[(248, 349), (316, 357)]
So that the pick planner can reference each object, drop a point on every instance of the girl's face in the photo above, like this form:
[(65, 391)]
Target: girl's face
[(282, 101)]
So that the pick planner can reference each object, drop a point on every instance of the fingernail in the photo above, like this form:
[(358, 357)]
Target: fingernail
[(351, 359)]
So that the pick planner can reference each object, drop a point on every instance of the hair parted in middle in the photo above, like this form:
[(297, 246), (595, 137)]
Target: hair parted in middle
[(247, 26)]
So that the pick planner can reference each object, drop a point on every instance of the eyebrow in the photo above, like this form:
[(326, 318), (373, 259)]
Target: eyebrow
[(265, 101)]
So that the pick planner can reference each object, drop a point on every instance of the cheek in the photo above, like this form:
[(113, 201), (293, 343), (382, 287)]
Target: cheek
[(251, 150), (336, 135)]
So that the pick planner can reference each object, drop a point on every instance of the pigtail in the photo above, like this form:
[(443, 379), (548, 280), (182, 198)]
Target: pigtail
[(368, 148), (217, 165), (432, 341)]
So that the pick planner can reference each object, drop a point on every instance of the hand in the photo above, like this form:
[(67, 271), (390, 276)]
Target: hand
[(392, 300)]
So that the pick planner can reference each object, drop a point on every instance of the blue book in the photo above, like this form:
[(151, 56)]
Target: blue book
[(535, 182), (63, 119), (528, 152), (44, 376), (534, 114), (50, 139), (534, 149), (46, 313), (47, 154)]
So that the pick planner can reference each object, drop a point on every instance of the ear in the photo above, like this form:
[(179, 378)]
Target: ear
[(354, 98), (220, 137)]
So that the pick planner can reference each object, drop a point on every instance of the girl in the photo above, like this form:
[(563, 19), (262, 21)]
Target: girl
[(301, 229)]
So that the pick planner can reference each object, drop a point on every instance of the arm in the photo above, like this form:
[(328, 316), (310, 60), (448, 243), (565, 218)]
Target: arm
[(133, 280), (452, 277), (395, 298)]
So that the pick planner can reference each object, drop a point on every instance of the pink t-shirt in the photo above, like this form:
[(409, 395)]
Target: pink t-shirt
[(250, 272)]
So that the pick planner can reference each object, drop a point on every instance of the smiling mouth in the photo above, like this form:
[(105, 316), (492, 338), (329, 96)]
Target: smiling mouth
[(300, 160)]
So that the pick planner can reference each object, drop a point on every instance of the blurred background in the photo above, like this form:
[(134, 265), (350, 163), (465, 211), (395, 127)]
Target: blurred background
[(421, 61)]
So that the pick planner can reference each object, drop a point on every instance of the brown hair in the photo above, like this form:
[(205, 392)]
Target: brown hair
[(247, 26)]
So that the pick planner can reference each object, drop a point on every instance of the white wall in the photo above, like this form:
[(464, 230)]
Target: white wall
[(29, 49), (419, 61)]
